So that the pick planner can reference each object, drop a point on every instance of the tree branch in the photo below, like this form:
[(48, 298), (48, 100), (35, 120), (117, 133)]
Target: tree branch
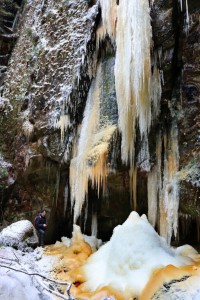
[(11, 259), (43, 285), (52, 291), (37, 274)]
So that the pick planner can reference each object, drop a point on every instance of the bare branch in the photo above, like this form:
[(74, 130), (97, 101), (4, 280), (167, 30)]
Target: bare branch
[(11, 259), (68, 292), (44, 286), (37, 274), (16, 257), (52, 291)]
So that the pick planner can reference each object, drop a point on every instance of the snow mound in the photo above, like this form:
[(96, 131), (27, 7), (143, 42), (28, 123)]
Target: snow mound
[(128, 260)]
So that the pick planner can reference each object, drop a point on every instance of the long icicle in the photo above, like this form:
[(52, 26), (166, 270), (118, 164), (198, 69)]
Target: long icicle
[(169, 197), (90, 159), (133, 72)]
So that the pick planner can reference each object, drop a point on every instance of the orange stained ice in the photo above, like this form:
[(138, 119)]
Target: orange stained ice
[(70, 258), (104, 292), (71, 268), (166, 275)]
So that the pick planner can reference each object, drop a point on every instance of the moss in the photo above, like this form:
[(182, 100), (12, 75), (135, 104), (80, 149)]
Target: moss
[(3, 173), (191, 172), (190, 209), (33, 36)]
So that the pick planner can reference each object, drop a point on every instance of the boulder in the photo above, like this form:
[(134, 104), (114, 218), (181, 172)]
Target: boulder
[(20, 235)]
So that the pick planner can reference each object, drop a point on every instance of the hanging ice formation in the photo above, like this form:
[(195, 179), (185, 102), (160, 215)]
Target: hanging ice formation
[(132, 82), (138, 93), (187, 20), (133, 72), (163, 185), (90, 153), (154, 184), (109, 15), (169, 195), (132, 75)]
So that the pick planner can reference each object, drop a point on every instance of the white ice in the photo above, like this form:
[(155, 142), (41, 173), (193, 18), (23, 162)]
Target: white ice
[(127, 261)]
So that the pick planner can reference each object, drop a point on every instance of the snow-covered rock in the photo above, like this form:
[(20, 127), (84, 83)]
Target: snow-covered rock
[(19, 235)]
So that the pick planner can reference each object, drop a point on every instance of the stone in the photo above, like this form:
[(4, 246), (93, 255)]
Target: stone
[(20, 235)]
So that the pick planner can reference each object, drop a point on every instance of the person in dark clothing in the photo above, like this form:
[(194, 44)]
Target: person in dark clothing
[(40, 225)]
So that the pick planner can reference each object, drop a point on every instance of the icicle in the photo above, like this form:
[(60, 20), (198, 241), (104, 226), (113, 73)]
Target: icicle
[(187, 13), (169, 200), (154, 184), (86, 213), (94, 225), (143, 156), (65, 198), (133, 185), (160, 56), (100, 34), (158, 161), (109, 14), (90, 161), (63, 124), (57, 185), (187, 16), (133, 71), (185, 222), (27, 128), (152, 189), (156, 89), (162, 77), (108, 25), (181, 4)]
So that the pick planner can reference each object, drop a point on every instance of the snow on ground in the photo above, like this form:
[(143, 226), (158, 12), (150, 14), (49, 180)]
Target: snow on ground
[(15, 285)]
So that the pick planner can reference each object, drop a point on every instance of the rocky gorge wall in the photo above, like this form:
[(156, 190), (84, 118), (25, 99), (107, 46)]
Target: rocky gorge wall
[(44, 91)]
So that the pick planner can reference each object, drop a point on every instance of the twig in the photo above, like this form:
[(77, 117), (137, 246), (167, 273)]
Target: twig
[(16, 257), (68, 292), (52, 291), (44, 286), (37, 274), (7, 262), (1, 257)]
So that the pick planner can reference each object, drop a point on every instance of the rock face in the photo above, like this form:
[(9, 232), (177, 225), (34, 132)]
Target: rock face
[(43, 95), (9, 17), (54, 39)]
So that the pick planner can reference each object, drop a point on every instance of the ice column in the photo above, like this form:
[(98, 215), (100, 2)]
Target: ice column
[(169, 196)]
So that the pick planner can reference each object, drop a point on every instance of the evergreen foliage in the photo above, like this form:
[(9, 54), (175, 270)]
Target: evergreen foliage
[(8, 8)]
